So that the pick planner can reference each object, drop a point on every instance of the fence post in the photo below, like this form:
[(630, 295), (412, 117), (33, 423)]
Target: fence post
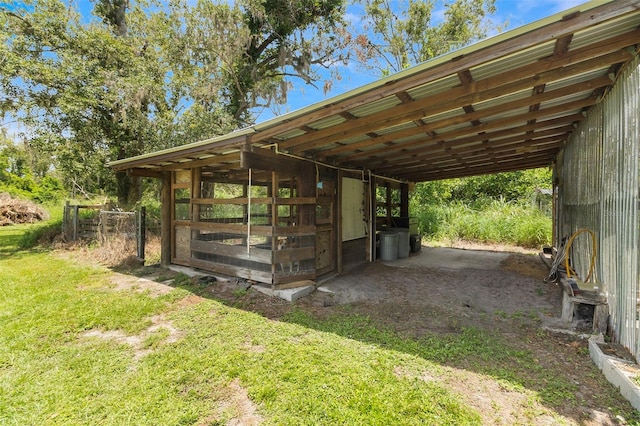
[(65, 220), (76, 210), (142, 219)]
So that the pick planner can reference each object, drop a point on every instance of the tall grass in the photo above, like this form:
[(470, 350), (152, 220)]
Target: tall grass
[(493, 221), (43, 232)]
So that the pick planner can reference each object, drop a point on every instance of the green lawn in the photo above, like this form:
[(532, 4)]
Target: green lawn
[(66, 357), (77, 349)]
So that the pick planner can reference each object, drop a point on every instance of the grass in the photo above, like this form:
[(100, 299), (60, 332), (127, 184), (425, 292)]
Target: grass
[(495, 222), (51, 372), (66, 357)]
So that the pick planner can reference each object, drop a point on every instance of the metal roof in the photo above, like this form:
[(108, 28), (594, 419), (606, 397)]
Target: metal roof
[(506, 103)]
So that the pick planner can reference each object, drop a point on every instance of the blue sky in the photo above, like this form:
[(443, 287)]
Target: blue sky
[(515, 12)]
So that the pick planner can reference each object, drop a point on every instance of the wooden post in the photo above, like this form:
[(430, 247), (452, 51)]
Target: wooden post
[(76, 210), (404, 201), (338, 226), (142, 233), (165, 220), (65, 220), (196, 192), (373, 212)]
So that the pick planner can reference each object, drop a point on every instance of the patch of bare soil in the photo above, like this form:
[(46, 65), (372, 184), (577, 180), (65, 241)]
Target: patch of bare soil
[(235, 403), (141, 343), (122, 282), (503, 294)]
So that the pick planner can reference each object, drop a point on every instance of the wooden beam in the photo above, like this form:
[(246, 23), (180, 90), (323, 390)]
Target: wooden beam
[(145, 173), (467, 162), (265, 159), (461, 146), (226, 160), (380, 120), (485, 127), (198, 148), (506, 165), (543, 71)]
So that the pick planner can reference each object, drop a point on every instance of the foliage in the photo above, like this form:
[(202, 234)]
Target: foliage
[(139, 78), (509, 186), (497, 222), (252, 49), (495, 208), (24, 174), (43, 233), (400, 34)]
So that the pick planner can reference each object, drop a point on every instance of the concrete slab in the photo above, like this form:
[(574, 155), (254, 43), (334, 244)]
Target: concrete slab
[(290, 295), (617, 371), (455, 259)]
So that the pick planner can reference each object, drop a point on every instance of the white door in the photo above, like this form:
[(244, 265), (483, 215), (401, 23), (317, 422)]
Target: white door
[(354, 221)]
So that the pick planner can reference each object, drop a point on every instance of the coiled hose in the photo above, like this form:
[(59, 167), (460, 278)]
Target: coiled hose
[(593, 253), (563, 255)]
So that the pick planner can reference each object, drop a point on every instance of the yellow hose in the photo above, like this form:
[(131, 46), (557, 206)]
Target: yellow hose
[(593, 255)]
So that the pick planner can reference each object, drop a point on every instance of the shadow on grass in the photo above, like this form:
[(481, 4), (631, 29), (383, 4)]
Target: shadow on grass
[(11, 240), (474, 349)]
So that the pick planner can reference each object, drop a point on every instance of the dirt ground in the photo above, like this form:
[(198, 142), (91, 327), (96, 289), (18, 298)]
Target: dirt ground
[(442, 291)]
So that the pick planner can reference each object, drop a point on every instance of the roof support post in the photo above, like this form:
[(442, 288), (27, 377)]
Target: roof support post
[(165, 220)]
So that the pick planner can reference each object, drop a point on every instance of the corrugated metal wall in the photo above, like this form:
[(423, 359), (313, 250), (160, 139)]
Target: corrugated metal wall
[(598, 190)]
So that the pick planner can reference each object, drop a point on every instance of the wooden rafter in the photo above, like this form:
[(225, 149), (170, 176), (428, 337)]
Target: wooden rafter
[(481, 90)]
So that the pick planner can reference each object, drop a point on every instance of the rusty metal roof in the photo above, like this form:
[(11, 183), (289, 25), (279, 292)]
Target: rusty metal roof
[(507, 103)]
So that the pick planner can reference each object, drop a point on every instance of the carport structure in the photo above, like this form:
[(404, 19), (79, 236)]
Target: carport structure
[(519, 100)]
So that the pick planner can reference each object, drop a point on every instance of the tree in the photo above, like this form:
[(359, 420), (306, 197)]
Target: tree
[(397, 35), (252, 49), (139, 79)]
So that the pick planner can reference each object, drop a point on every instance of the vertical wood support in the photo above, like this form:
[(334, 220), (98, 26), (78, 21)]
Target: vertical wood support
[(196, 192), (142, 232), (338, 226), (373, 226), (76, 215), (274, 219), (404, 201), (65, 220), (165, 220), (389, 204)]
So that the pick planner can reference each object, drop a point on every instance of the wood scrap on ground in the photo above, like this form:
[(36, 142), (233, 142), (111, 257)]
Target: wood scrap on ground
[(14, 211)]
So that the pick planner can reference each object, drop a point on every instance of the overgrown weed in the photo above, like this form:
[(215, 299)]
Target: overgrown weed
[(489, 222)]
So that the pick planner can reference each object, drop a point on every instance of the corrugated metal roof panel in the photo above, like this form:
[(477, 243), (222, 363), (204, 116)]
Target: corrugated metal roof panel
[(516, 60), (377, 106), (602, 32), (434, 87), (327, 122)]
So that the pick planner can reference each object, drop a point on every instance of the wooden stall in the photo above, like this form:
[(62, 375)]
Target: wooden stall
[(267, 217)]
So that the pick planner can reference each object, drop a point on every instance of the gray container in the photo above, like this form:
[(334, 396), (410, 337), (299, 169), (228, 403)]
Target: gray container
[(404, 244), (388, 245)]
